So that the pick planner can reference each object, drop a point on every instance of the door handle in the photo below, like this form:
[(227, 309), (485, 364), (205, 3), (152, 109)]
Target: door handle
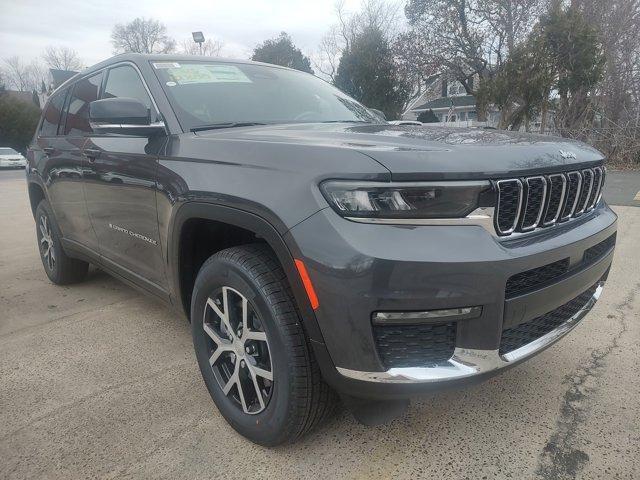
[(91, 153), (48, 150)]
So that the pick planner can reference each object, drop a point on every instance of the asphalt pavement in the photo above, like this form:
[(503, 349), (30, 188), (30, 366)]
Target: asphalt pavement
[(97, 380)]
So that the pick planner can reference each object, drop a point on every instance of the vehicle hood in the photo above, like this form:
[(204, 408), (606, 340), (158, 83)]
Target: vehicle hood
[(432, 152)]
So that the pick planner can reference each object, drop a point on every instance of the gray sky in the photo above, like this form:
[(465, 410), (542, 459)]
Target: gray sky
[(28, 26)]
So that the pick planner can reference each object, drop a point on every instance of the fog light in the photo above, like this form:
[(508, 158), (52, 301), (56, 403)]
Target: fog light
[(427, 316)]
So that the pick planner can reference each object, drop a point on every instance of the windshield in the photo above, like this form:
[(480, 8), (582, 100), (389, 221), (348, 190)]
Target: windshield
[(209, 93), (7, 151)]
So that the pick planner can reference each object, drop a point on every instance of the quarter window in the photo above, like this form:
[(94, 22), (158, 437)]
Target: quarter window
[(124, 81), (51, 116), (84, 92)]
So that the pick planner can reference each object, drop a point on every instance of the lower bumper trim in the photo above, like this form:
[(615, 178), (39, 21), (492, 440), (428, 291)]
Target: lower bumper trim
[(467, 363)]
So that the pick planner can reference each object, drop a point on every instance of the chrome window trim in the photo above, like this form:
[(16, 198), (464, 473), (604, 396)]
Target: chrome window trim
[(104, 71), (575, 201), (560, 203), (466, 363), (519, 209), (533, 226)]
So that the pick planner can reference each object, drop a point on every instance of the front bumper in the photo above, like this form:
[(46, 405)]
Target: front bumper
[(467, 363), (359, 269)]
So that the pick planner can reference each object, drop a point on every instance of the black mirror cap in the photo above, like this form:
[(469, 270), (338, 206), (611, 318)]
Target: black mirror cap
[(119, 111)]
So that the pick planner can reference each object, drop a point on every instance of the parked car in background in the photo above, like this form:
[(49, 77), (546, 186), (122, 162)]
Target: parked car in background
[(9, 158), (318, 251)]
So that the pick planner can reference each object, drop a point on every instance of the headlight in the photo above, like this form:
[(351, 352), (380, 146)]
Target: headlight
[(405, 200)]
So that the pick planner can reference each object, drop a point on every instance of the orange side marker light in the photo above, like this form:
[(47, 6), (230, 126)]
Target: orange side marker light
[(308, 286)]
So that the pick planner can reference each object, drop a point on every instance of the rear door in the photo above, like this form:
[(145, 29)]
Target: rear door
[(59, 164), (120, 187)]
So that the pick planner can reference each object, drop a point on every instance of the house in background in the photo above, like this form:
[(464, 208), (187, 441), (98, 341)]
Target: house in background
[(450, 103)]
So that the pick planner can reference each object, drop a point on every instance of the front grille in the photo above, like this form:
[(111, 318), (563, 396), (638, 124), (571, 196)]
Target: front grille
[(520, 335), (524, 204), (593, 254), (415, 345), (529, 280)]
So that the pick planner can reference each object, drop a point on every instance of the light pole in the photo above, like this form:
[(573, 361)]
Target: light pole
[(198, 37)]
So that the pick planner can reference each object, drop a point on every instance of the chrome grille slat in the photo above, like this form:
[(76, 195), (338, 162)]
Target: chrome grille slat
[(573, 192), (557, 188), (507, 220), (536, 202), (587, 185), (595, 192)]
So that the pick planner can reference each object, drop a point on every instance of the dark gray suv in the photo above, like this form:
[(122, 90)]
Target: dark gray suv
[(318, 251)]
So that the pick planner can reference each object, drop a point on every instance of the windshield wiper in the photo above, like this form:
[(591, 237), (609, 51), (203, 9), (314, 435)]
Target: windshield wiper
[(214, 126)]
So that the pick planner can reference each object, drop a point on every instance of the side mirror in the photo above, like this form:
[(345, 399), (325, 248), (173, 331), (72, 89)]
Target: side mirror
[(126, 116)]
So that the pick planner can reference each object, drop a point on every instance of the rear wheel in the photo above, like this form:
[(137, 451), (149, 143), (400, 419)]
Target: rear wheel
[(251, 348), (60, 268)]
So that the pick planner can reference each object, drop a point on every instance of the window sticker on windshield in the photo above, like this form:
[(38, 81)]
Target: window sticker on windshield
[(196, 73), (160, 65)]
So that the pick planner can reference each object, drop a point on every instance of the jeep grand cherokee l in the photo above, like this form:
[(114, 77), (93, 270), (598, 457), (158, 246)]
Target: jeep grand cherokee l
[(318, 251)]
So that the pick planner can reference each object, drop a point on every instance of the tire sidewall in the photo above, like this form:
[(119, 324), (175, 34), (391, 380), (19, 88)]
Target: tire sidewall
[(270, 426)]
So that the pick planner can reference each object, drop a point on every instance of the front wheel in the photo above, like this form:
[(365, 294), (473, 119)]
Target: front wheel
[(251, 348), (60, 268)]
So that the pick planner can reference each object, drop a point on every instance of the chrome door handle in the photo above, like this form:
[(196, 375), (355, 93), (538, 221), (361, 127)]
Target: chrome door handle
[(48, 150)]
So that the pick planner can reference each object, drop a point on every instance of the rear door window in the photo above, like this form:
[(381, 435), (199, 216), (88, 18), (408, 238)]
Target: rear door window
[(84, 92), (124, 81), (51, 116)]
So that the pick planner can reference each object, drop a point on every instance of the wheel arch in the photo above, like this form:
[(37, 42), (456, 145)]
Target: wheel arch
[(36, 195), (261, 228)]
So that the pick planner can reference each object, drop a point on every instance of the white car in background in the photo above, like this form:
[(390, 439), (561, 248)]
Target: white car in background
[(9, 158)]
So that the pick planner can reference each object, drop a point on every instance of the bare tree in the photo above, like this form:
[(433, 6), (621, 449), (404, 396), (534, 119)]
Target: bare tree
[(23, 77), (142, 36), (62, 58), (467, 38), (373, 15), (210, 48)]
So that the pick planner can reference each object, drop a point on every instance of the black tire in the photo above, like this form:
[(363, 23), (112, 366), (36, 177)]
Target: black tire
[(299, 398), (63, 270)]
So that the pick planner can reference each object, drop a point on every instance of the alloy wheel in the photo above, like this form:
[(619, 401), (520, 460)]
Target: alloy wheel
[(239, 350), (46, 243)]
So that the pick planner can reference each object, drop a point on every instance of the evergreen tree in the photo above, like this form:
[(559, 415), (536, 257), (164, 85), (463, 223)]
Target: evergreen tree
[(367, 71), (281, 51)]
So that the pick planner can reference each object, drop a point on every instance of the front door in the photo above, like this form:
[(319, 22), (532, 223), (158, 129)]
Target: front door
[(120, 189)]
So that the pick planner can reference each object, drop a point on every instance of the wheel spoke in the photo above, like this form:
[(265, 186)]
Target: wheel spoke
[(224, 319), (43, 239), (241, 395), (43, 229), (261, 372), (260, 336), (219, 341), (219, 351), (254, 379), (233, 379), (245, 314)]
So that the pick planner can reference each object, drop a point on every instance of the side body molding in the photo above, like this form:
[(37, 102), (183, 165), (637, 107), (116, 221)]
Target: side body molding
[(249, 221)]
